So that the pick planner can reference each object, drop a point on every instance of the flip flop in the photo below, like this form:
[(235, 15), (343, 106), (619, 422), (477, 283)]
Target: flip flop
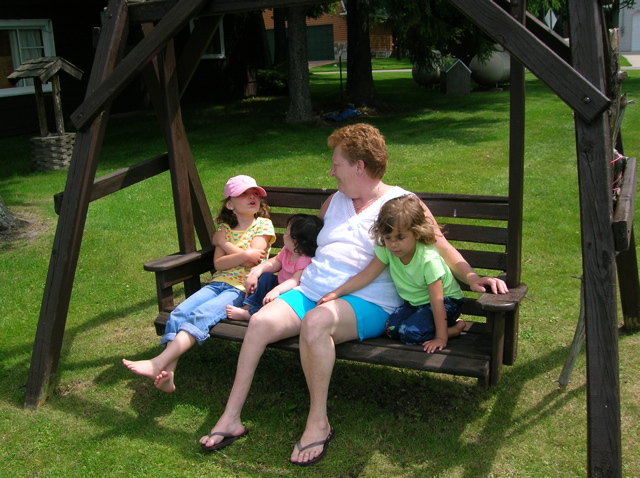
[(325, 445), (227, 440)]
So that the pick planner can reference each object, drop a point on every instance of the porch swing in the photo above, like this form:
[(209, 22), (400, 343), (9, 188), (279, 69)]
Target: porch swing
[(531, 45)]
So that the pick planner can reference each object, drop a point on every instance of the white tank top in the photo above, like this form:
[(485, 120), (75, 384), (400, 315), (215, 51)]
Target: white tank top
[(345, 248)]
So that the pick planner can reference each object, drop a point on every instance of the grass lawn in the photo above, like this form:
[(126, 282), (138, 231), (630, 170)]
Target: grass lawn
[(104, 421)]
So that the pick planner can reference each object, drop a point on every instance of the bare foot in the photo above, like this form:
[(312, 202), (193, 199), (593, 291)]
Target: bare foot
[(142, 367), (164, 382), (237, 313), (457, 329)]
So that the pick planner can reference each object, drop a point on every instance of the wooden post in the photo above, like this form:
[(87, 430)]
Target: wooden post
[(57, 104), (517, 93), (594, 150), (42, 112), (73, 214), (179, 152)]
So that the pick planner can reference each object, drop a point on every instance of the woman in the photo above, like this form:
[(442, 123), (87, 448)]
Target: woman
[(359, 162)]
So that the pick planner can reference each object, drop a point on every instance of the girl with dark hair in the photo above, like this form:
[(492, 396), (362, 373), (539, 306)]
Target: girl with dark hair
[(262, 284)]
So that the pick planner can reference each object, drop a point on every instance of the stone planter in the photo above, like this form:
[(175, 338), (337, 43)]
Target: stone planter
[(52, 152)]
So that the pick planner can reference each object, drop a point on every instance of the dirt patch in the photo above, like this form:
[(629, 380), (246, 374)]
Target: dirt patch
[(26, 228)]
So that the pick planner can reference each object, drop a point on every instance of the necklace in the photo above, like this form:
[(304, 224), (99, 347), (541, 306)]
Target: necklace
[(375, 196)]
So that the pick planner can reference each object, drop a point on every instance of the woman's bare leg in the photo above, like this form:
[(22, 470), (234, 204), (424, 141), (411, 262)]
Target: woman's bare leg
[(275, 321), (165, 362), (323, 327)]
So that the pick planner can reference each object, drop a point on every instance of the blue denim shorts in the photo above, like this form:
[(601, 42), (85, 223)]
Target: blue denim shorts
[(370, 317)]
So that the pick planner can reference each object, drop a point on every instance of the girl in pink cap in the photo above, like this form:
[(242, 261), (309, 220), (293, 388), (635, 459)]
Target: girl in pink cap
[(243, 238)]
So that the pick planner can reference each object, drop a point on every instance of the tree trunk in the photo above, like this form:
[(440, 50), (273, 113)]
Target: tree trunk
[(7, 220), (360, 89), (279, 35), (300, 110)]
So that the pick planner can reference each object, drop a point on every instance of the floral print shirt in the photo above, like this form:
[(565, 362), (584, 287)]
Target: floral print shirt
[(236, 276)]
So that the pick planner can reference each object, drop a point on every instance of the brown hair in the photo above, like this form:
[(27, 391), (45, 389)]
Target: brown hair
[(362, 142), (403, 213)]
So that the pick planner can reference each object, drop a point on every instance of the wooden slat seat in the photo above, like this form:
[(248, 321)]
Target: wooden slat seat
[(476, 225)]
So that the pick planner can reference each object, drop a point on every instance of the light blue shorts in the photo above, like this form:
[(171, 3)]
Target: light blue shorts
[(370, 317)]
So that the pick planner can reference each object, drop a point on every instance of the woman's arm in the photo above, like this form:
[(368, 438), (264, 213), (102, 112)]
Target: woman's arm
[(357, 282), (460, 267), (325, 206)]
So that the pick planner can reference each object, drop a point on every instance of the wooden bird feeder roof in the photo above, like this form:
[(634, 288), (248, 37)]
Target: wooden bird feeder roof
[(44, 68)]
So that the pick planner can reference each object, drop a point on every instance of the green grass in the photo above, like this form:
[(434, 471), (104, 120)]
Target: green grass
[(376, 64), (103, 421)]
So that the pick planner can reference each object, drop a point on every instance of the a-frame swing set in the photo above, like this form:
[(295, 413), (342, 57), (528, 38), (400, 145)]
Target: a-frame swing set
[(584, 76)]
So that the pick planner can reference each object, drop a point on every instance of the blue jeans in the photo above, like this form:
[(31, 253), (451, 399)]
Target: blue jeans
[(266, 282), (414, 325), (201, 311)]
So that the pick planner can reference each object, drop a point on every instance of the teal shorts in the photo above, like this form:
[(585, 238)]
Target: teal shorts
[(369, 317)]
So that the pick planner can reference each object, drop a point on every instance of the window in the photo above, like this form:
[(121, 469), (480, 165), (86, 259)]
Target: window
[(22, 40), (215, 50)]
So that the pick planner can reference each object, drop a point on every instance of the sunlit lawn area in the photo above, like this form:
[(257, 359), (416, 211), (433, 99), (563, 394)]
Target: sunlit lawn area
[(104, 421)]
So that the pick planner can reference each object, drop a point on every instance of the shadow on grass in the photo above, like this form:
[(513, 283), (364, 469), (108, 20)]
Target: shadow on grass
[(417, 422), (18, 374)]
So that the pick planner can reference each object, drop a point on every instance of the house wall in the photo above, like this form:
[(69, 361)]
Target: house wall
[(73, 42), (630, 29), (73, 36), (214, 79), (379, 35)]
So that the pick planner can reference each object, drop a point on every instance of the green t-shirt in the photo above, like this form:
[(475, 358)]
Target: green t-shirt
[(412, 280)]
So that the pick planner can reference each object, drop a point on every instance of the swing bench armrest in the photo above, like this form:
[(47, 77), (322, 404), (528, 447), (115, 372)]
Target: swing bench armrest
[(490, 302), (179, 259)]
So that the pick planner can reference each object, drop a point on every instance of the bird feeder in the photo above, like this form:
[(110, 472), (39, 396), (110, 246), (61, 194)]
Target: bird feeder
[(49, 150)]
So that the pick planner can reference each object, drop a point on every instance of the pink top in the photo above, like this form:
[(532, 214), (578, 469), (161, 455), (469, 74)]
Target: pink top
[(289, 268)]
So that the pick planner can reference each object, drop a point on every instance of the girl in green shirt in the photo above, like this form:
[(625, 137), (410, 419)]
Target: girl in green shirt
[(433, 299)]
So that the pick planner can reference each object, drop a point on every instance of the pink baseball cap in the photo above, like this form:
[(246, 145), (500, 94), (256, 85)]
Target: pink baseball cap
[(239, 184)]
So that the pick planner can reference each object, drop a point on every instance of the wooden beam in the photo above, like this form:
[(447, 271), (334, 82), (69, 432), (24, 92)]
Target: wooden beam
[(566, 82), (625, 205), (594, 150), (68, 238), (131, 65), (627, 266), (202, 218), (123, 178), (542, 32), (153, 11)]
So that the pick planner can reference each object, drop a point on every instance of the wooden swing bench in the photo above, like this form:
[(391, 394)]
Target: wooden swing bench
[(476, 225)]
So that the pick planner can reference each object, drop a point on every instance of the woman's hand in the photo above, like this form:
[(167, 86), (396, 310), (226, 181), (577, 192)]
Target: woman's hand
[(484, 284), (328, 298)]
